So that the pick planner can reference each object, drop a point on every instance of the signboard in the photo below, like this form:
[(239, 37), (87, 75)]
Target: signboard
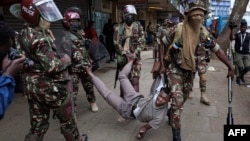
[(136, 3), (104, 6)]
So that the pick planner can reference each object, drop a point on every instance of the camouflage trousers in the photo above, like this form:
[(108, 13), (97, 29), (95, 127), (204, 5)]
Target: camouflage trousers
[(53, 96), (202, 69), (87, 85), (203, 81), (180, 83), (135, 70)]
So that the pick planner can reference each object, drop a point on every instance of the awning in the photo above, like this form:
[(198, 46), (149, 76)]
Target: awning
[(164, 6)]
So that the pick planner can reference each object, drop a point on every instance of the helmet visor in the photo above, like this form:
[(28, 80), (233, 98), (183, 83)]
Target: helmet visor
[(48, 10)]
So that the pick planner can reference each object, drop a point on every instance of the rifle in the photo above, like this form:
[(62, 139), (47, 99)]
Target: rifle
[(118, 66), (116, 75)]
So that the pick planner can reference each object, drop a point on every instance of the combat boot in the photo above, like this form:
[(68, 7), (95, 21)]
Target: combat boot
[(176, 134), (204, 99)]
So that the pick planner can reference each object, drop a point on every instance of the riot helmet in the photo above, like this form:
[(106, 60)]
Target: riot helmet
[(32, 10), (72, 18), (129, 13)]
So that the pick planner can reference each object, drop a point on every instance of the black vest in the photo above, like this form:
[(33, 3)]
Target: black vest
[(245, 44)]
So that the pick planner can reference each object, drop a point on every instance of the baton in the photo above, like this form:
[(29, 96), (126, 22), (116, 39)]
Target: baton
[(230, 120)]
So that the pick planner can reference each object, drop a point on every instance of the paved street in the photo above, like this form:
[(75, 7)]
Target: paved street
[(199, 122)]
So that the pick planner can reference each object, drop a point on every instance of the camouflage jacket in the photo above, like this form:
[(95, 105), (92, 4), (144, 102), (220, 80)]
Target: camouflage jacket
[(137, 39), (200, 51), (73, 43), (38, 45), (163, 33)]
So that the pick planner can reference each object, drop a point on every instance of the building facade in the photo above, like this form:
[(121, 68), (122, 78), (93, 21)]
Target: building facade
[(56, 27)]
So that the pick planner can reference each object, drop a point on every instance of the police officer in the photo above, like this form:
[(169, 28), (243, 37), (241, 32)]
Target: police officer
[(129, 38), (74, 37), (163, 39), (48, 82), (189, 37)]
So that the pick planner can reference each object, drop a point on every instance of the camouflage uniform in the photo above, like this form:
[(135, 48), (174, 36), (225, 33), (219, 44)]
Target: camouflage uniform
[(180, 80), (76, 42), (202, 61), (163, 33), (47, 85), (136, 43)]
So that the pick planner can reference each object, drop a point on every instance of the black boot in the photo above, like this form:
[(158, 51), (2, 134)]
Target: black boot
[(176, 134), (243, 73)]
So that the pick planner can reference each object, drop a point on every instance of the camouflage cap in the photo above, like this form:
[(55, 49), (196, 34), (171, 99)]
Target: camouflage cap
[(196, 5), (15, 10)]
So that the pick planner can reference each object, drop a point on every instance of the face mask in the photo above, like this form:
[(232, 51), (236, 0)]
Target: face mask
[(129, 19), (196, 21), (196, 17), (75, 25), (44, 24)]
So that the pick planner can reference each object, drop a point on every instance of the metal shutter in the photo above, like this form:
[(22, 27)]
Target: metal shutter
[(56, 27)]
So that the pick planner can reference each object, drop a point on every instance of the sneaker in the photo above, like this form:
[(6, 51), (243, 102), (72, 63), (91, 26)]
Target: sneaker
[(238, 81), (93, 107), (242, 79)]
